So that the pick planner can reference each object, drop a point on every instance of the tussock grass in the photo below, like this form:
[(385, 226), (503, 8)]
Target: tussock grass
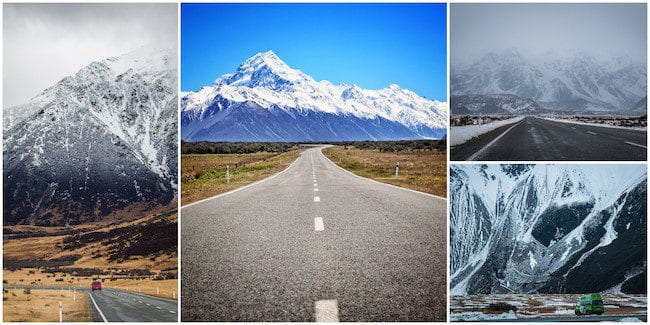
[(43, 306), (204, 175), (421, 170)]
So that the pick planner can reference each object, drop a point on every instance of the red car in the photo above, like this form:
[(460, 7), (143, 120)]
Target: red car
[(96, 286)]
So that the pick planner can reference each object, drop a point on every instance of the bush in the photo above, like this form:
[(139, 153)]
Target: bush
[(502, 307)]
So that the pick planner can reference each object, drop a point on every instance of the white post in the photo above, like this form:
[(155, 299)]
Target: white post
[(397, 170), (74, 294), (157, 290), (60, 312), (228, 174), (174, 293), (139, 289)]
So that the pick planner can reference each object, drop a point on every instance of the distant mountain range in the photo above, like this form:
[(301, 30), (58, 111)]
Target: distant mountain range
[(97, 144), (548, 228), (266, 100), (568, 84)]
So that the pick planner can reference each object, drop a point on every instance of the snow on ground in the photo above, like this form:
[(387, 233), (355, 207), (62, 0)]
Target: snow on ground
[(630, 320), (642, 128), (477, 316), (461, 134)]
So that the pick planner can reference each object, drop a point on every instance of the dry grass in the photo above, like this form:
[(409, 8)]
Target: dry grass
[(203, 176), (424, 171), (35, 277), (43, 306)]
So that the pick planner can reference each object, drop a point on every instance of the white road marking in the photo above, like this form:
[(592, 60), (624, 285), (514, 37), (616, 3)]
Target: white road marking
[(314, 181), (591, 132), (636, 144), (140, 301), (316, 199), (573, 128), (173, 312), (478, 153), (315, 184), (148, 304), (158, 307), (315, 190), (97, 307), (318, 224), (327, 311)]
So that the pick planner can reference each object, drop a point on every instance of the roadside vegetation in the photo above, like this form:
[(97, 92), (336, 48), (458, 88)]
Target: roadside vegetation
[(422, 164), (207, 174), (30, 305)]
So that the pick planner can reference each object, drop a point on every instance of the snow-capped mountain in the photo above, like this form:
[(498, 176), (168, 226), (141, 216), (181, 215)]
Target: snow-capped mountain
[(575, 83), (493, 105), (266, 100), (95, 143), (547, 228)]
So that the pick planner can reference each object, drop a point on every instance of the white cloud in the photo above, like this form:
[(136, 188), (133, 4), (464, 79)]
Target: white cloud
[(45, 42)]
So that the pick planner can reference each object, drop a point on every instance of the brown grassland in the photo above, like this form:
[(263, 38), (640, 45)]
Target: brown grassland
[(204, 175), (43, 306), (421, 170), (120, 254)]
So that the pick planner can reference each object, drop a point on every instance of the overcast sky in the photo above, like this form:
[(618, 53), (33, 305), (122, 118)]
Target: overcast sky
[(597, 29), (44, 43)]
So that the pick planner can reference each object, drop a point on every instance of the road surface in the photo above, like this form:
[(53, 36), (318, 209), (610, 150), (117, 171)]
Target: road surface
[(110, 305), (315, 243), (594, 318), (539, 139)]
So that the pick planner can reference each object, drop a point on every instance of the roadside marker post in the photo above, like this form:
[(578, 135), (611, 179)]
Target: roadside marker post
[(157, 290), (174, 293), (74, 294), (228, 174), (60, 312), (397, 170)]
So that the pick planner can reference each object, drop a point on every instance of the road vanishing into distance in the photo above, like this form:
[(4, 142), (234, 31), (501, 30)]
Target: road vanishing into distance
[(540, 139), (315, 243), (110, 305)]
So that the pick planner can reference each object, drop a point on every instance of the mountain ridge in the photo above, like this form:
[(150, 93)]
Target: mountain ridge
[(286, 104)]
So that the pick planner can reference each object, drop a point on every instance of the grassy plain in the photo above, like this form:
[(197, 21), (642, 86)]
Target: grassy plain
[(43, 306), (204, 175), (421, 170)]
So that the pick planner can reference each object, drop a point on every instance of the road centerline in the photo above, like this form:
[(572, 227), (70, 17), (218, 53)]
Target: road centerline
[(316, 199), (326, 311), (318, 224)]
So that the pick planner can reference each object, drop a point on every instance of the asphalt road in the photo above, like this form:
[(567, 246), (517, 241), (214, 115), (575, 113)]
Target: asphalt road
[(110, 305), (593, 318), (315, 243), (539, 139)]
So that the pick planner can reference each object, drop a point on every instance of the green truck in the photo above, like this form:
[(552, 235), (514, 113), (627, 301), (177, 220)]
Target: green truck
[(590, 304)]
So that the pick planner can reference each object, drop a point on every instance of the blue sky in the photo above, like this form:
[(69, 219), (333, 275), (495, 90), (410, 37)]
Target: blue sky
[(371, 45)]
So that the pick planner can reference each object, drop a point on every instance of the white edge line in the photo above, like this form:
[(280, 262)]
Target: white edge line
[(378, 182), (476, 154), (636, 144), (243, 187), (97, 307)]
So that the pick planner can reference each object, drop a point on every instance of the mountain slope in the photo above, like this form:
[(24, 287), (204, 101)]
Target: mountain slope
[(547, 228), (99, 143), (493, 105), (266, 100), (577, 83)]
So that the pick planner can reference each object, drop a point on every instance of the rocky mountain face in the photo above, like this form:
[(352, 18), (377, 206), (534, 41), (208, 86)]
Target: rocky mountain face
[(99, 143), (548, 228), (266, 100), (572, 84), (503, 104)]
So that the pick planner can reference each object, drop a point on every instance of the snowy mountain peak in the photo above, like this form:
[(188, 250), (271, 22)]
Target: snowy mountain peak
[(264, 81)]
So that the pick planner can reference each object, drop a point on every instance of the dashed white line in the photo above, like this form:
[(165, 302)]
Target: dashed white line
[(315, 190), (316, 199), (315, 184), (591, 132), (318, 224), (173, 312), (158, 307), (140, 301), (327, 311), (636, 144)]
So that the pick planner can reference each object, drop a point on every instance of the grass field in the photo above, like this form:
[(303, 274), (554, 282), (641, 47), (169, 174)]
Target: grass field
[(43, 306), (204, 175), (423, 171)]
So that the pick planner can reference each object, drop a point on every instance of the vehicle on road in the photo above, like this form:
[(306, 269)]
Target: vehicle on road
[(96, 285), (590, 304)]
